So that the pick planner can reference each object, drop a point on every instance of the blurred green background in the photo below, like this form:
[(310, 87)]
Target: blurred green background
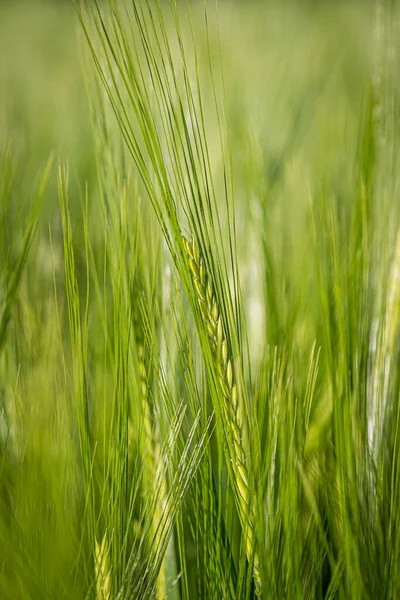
[(297, 80), (295, 75)]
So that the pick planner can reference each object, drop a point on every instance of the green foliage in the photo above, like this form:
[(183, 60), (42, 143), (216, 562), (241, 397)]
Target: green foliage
[(199, 357)]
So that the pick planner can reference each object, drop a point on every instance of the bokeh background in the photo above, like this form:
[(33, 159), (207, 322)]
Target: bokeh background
[(295, 75), (299, 78)]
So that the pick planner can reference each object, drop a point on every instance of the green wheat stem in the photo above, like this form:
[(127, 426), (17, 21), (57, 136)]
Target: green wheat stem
[(393, 300), (231, 407)]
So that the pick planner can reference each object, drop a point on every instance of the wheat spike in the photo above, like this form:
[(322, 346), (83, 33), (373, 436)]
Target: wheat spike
[(232, 408), (154, 480), (102, 570)]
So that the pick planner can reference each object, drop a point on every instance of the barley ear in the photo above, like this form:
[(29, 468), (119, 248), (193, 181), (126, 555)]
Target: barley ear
[(102, 570), (231, 405), (154, 479)]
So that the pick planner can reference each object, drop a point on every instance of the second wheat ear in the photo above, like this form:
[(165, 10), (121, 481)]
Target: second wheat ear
[(102, 569), (231, 406), (154, 479)]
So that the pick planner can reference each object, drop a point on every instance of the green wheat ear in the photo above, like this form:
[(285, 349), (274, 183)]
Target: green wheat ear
[(231, 406), (153, 476), (102, 570)]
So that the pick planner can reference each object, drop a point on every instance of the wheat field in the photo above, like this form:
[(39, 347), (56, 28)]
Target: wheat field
[(199, 300)]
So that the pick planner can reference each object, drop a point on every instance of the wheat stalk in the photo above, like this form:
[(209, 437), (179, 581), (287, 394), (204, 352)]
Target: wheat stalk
[(393, 300), (102, 570), (231, 406), (385, 349)]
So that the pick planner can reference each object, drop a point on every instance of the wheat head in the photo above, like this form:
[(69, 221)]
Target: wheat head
[(154, 480), (102, 570), (231, 406)]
